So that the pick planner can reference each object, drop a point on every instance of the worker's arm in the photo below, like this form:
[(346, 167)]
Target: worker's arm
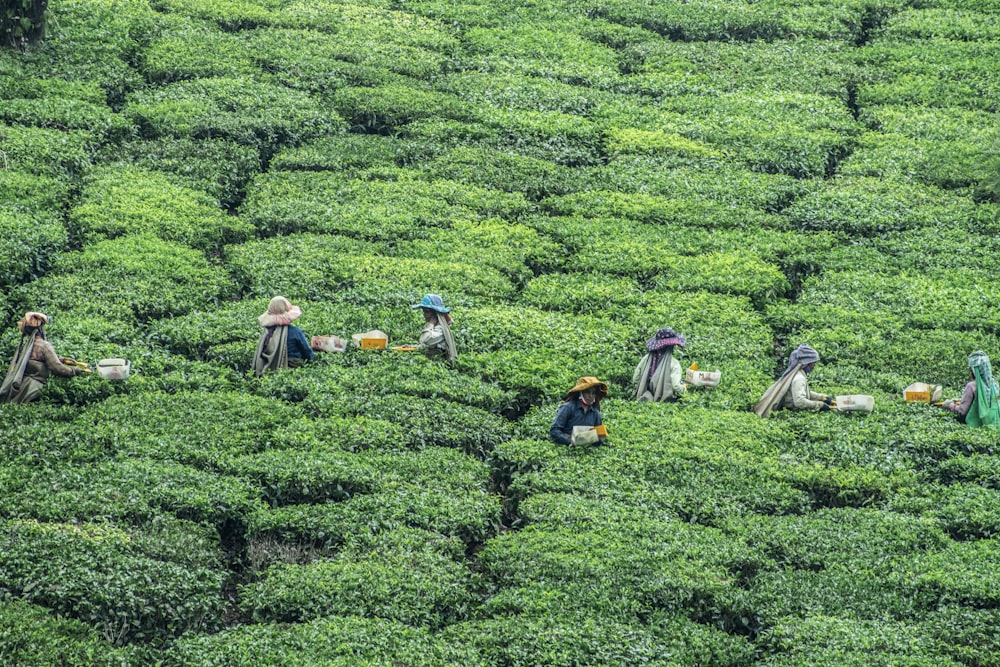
[(560, 431), (431, 337), (802, 397), (968, 395), (52, 360), (298, 346), (675, 378)]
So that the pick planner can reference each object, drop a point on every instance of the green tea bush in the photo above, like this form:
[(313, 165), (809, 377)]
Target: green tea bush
[(869, 206), (45, 151), (658, 209), (664, 67), (910, 73), (567, 638), (219, 167), (310, 60), (965, 634), (495, 168), (828, 640), (128, 279), (382, 109), (129, 490), (978, 469), (327, 202), (963, 25), (29, 243), (293, 477), (509, 90), (101, 581), (322, 271), (66, 113), (191, 50), (565, 139), (965, 573), (558, 53), (417, 584), (25, 192), (516, 250), (248, 111), (159, 426), (33, 635), (427, 422), (126, 201), (232, 15), (436, 489), (966, 511), (699, 21), (354, 152), (731, 185), (339, 641)]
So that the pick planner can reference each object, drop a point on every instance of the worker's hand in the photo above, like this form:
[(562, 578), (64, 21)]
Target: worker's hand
[(825, 408), (828, 400)]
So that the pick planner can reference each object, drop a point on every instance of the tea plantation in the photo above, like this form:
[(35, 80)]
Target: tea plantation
[(570, 176)]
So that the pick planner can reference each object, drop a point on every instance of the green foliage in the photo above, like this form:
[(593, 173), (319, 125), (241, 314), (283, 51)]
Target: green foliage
[(45, 151), (383, 109), (248, 111), (404, 207), (128, 201), (351, 152), (32, 635), (129, 279), (90, 567), (28, 244), (23, 22), (339, 641), (399, 578)]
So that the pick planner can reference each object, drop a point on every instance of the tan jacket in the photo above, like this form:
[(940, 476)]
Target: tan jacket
[(799, 396)]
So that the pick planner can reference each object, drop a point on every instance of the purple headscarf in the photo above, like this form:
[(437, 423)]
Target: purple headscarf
[(663, 342), (803, 355)]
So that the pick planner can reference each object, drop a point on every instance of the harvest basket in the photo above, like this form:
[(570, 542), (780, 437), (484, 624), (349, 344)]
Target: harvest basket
[(921, 392), (371, 340), (114, 369), (703, 378), (855, 403)]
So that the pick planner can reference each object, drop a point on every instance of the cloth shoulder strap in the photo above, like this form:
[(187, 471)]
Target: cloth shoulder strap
[(15, 373)]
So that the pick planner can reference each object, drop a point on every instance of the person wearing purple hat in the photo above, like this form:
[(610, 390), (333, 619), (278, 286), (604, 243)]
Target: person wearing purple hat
[(791, 390), (436, 337), (658, 375)]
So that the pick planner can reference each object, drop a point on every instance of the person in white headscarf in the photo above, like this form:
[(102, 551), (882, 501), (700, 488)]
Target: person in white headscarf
[(33, 362), (436, 338), (281, 345), (978, 405), (657, 377), (791, 390)]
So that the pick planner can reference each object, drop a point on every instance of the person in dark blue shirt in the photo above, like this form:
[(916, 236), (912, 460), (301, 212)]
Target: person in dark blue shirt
[(281, 345), (582, 407)]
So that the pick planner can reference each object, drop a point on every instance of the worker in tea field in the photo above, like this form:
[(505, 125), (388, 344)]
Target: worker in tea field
[(281, 345), (658, 375), (436, 338), (33, 362), (582, 408), (791, 390), (978, 405)]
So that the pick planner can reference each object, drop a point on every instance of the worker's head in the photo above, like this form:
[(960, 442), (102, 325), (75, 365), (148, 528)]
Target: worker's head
[(31, 321), (979, 366), (590, 389), (665, 340), (279, 305), (808, 368)]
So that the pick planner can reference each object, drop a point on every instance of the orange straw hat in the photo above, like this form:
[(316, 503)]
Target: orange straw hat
[(32, 319), (585, 383)]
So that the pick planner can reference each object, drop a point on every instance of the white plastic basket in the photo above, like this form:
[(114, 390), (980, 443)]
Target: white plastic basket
[(703, 378), (855, 403), (114, 369)]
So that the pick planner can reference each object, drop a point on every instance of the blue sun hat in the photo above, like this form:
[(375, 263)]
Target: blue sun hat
[(432, 301)]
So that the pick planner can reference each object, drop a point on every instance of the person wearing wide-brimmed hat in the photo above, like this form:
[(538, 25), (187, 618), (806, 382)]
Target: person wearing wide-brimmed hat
[(791, 390), (582, 407), (978, 405), (658, 375), (33, 362), (436, 338), (281, 345)]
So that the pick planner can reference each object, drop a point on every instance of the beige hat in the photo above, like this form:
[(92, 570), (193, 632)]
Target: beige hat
[(32, 319)]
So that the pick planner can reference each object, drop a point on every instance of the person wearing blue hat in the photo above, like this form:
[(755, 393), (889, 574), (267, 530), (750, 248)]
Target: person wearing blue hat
[(658, 375), (436, 338)]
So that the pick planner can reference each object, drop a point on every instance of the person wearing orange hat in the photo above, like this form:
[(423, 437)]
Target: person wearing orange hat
[(281, 345), (582, 407), (33, 362)]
